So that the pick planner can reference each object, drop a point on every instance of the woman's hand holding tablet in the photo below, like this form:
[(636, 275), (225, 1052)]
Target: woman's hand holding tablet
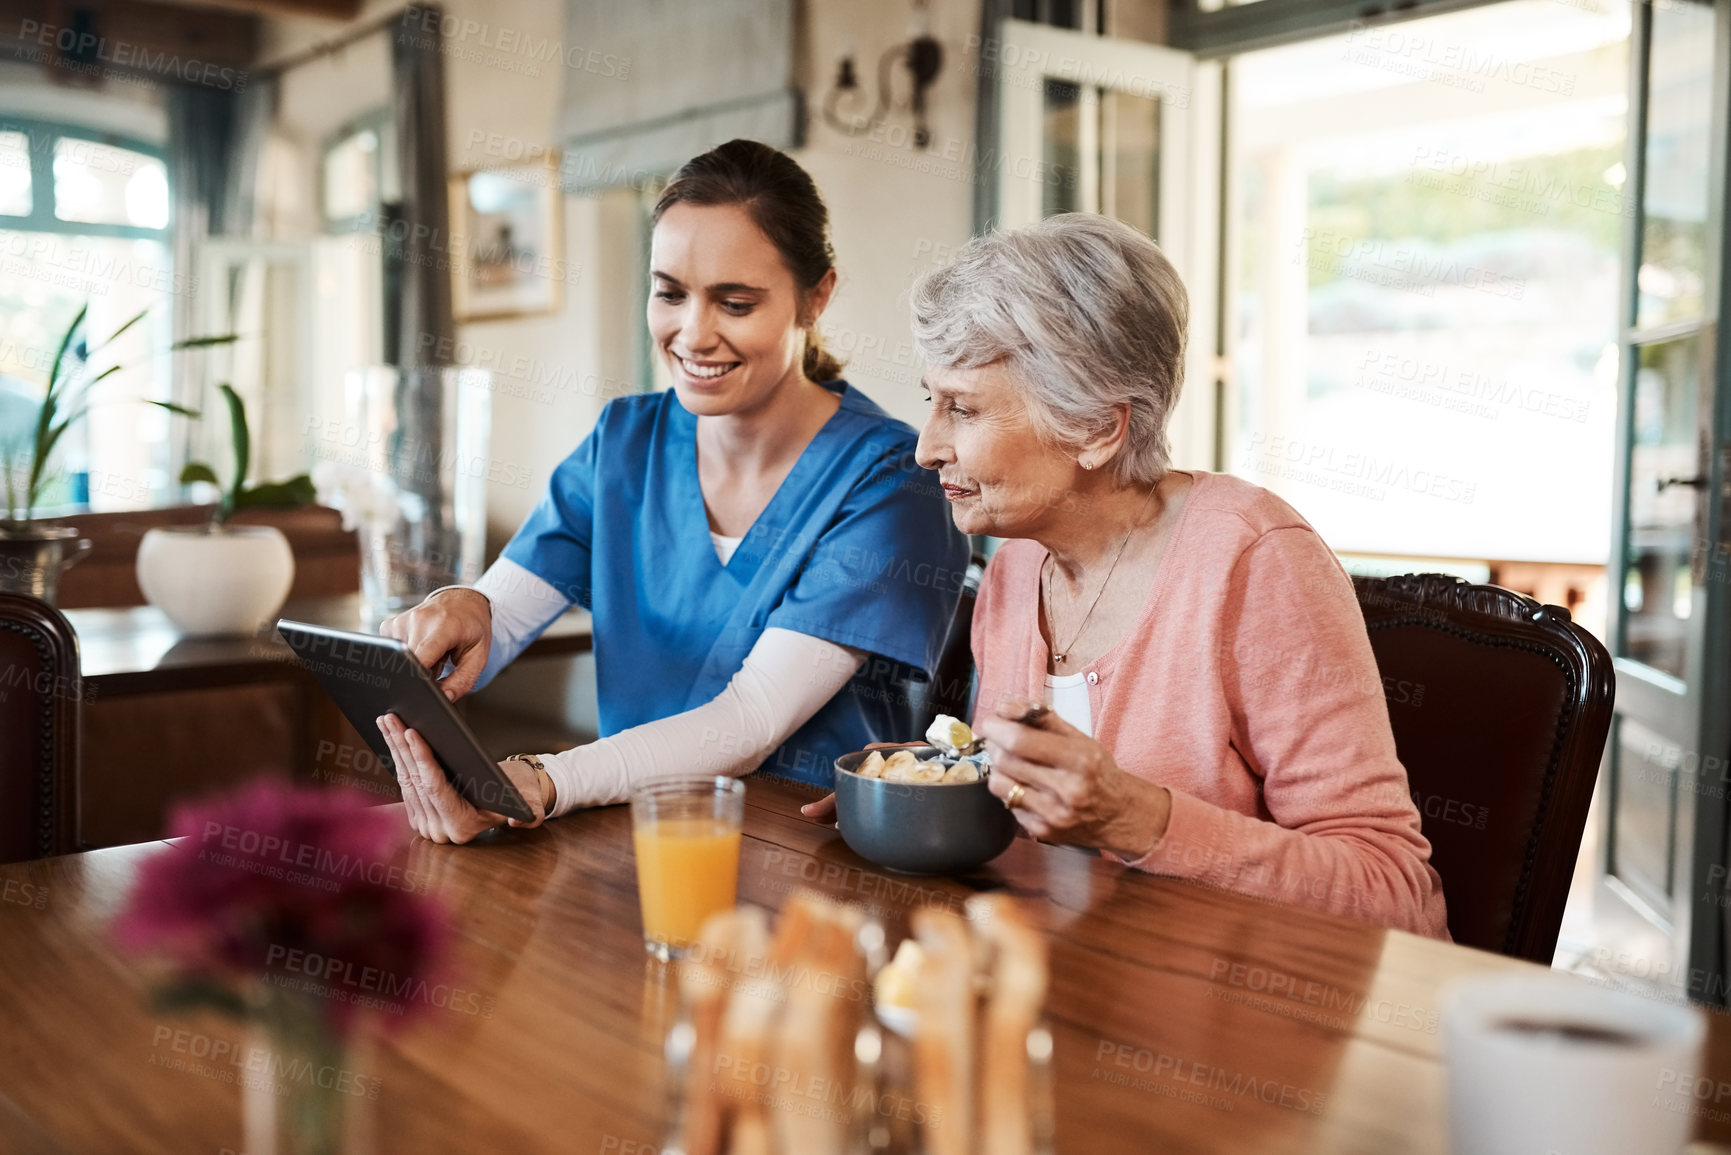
[(375, 680), (454, 623), (435, 809)]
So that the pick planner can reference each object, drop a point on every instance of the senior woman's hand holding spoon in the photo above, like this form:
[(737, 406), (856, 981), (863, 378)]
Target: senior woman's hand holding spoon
[(1065, 787)]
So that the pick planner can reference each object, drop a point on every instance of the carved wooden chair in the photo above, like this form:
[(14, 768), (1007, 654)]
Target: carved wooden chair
[(1500, 707), (40, 690)]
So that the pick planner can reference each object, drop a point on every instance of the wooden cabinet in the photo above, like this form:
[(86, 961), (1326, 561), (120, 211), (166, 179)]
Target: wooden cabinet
[(167, 717), (143, 751)]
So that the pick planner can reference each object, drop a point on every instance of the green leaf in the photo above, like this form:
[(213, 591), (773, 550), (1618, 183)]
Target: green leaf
[(70, 420), (205, 342), (291, 494), (188, 994), (198, 471), (10, 470), (136, 318), (38, 466), (243, 452), (45, 451), (243, 440), (45, 415), (86, 387), (65, 344), (173, 408)]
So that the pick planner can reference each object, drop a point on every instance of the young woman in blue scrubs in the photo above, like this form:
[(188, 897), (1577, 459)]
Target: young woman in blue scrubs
[(764, 560)]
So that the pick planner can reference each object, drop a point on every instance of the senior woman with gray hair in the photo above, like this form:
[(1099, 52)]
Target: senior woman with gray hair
[(1215, 711)]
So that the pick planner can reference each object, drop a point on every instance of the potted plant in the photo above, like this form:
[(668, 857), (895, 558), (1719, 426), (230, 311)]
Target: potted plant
[(221, 578), (33, 555)]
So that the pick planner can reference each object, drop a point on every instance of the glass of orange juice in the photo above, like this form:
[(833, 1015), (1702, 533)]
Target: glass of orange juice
[(685, 832)]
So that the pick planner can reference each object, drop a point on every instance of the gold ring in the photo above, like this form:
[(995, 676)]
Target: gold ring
[(1014, 798)]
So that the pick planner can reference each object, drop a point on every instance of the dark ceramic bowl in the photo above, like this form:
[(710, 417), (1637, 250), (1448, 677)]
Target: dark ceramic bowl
[(919, 829)]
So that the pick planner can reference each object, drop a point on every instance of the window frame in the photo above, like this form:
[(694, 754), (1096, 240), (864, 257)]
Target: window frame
[(369, 220), (1212, 30), (41, 137)]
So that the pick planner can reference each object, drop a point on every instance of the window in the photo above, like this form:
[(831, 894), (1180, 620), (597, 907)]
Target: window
[(357, 175), (104, 185), (84, 221), (1429, 217), (14, 174)]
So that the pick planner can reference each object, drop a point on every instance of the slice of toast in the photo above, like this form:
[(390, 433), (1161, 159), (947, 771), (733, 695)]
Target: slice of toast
[(944, 1062), (1017, 985)]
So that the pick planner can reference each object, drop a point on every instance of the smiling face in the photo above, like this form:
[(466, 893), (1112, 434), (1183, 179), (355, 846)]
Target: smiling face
[(724, 310), (999, 476)]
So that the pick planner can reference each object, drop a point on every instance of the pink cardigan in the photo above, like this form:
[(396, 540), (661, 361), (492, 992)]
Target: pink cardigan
[(1248, 688)]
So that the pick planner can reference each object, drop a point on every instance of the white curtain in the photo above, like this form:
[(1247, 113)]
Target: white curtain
[(652, 83)]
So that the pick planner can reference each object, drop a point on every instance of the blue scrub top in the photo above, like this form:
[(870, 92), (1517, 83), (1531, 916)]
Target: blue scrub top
[(857, 546)]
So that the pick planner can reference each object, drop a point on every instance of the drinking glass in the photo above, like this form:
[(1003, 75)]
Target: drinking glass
[(685, 832), (409, 467)]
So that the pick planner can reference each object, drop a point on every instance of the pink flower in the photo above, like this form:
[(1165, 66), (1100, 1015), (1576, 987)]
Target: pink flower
[(297, 887)]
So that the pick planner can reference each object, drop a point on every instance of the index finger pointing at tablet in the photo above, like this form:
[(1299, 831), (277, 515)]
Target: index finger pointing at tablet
[(470, 663), (429, 640), (447, 625)]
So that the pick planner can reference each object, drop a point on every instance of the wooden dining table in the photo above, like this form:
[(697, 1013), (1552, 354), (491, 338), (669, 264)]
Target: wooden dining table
[(1185, 1018)]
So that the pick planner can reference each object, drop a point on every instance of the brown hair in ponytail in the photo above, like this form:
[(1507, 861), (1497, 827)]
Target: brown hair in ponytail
[(783, 203)]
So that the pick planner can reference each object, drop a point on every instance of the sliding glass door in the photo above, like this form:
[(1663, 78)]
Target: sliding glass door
[(1661, 878)]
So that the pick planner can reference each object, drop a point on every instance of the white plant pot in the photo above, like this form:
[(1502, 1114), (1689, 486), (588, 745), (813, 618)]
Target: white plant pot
[(231, 581)]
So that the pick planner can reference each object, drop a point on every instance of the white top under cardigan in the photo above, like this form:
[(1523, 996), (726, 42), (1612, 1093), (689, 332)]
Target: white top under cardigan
[(1068, 695)]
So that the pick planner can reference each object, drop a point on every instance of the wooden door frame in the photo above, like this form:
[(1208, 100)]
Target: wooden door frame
[(1192, 150)]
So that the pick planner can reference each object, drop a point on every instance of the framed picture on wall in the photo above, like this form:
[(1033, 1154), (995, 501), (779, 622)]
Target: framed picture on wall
[(507, 243)]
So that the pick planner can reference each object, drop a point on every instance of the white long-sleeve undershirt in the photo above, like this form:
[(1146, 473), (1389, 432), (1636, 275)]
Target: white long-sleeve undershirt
[(785, 679)]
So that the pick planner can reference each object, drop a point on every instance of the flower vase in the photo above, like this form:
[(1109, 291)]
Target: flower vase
[(410, 476), (306, 1089), (381, 595)]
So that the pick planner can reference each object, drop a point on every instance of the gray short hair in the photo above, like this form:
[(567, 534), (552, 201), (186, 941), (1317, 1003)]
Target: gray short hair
[(1087, 313)]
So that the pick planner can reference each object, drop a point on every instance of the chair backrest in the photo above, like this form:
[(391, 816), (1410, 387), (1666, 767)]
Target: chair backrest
[(40, 691), (951, 688), (1500, 708)]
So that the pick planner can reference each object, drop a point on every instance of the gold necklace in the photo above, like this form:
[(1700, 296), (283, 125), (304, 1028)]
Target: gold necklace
[(1046, 590)]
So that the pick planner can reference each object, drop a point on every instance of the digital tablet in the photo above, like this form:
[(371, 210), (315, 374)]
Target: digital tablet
[(367, 675)]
